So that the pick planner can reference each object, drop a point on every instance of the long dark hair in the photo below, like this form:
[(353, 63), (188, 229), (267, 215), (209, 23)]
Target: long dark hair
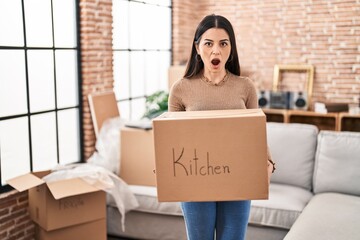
[(194, 65)]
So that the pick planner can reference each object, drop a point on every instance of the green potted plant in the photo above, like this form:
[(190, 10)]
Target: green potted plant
[(156, 104)]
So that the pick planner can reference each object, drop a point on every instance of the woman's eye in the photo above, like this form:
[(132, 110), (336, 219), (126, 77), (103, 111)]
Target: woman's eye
[(224, 44), (208, 44)]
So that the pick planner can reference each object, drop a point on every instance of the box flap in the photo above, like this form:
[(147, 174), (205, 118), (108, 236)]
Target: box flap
[(25, 182), (70, 187), (41, 174), (210, 114)]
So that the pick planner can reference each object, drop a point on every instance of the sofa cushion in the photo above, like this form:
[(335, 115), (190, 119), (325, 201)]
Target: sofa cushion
[(337, 164), (292, 147), (328, 216), (147, 198), (284, 206)]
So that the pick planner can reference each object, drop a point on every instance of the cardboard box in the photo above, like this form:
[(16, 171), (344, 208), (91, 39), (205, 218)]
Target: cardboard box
[(103, 105), (175, 72), (62, 203), (137, 161), (211, 155), (95, 230)]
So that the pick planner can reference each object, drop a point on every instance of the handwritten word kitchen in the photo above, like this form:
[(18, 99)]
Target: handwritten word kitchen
[(195, 166)]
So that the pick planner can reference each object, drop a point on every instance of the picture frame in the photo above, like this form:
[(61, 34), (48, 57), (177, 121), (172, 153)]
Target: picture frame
[(309, 69)]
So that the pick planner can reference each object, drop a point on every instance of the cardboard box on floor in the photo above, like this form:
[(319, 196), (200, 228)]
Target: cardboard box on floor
[(61, 203), (211, 155), (94, 230), (137, 160)]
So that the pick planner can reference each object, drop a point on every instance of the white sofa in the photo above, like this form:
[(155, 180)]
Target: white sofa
[(314, 193)]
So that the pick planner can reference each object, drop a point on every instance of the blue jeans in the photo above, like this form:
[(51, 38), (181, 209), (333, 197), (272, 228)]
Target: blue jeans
[(228, 219)]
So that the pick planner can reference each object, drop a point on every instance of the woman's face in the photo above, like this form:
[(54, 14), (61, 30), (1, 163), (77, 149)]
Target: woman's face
[(214, 48)]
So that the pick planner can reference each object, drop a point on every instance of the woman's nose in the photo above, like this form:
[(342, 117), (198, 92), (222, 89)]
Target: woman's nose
[(216, 50)]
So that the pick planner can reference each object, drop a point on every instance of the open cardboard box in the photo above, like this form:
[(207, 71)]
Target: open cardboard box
[(94, 230), (61, 203), (211, 155)]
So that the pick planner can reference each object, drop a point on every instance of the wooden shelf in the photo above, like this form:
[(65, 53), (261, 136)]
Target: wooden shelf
[(324, 121), (276, 115), (349, 122)]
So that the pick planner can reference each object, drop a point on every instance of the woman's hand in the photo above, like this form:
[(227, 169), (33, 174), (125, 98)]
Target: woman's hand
[(271, 168)]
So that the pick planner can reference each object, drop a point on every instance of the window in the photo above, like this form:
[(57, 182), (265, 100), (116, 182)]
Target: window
[(39, 86), (142, 52)]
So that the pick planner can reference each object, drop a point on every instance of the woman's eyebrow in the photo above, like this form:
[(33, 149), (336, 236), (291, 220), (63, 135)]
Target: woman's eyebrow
[(222, 40)]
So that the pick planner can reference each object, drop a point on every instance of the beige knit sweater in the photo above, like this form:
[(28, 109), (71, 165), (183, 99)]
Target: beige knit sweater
[(197, 94)]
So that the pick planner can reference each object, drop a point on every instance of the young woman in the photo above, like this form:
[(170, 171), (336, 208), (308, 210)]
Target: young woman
[(212, 81)]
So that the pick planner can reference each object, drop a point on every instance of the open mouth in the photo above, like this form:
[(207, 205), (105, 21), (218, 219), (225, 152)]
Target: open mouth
[(215, 61)]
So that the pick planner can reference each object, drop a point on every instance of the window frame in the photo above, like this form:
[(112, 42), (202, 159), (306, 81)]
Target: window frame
[(129, 100), (56, 109)]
